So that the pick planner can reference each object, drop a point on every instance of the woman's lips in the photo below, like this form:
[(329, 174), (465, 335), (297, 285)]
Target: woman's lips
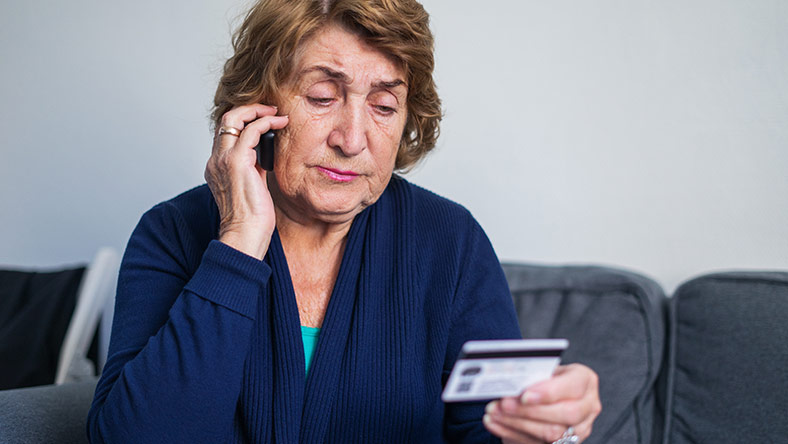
[(338, 175)]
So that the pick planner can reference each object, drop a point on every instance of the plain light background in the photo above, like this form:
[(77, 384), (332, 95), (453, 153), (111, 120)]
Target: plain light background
[(650, 135)]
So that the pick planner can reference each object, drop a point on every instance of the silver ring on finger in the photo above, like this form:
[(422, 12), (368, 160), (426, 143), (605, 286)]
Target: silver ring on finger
[(568, 437), (229, 131)]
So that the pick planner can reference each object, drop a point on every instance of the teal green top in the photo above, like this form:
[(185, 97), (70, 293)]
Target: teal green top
[(309, 336)]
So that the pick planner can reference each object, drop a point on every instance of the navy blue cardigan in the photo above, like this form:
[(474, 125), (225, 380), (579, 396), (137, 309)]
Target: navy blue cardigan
[(206, 344)]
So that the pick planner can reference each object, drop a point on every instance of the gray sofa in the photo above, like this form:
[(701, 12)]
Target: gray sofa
[(709, 365)]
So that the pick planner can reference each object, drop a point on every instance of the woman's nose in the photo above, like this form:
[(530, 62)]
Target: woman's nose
[(349, 134)]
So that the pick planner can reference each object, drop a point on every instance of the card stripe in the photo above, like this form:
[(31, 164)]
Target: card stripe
[(548, 353)]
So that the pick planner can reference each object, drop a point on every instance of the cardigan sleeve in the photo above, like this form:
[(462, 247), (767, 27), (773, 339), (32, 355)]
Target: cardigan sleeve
[(183, 319), (482, 309)]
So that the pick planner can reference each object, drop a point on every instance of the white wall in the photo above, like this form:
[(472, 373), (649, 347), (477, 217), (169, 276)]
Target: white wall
[(646, 134)]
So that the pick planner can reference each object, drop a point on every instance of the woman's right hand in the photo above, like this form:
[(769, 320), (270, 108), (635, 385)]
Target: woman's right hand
[(238, 184)]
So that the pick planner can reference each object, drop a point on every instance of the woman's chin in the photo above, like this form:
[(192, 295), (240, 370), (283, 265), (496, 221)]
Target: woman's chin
[(333, 208), (324, 206)]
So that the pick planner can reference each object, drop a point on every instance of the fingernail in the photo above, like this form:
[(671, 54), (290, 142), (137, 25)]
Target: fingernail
[(530, 397), (491, 407), (486, 419)]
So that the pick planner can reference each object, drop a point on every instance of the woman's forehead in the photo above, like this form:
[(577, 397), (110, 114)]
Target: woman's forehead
[(334, 53)]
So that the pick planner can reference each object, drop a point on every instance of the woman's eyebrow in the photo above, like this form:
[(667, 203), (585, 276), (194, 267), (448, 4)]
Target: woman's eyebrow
[(344, 78), (328, 72), (383, 84)]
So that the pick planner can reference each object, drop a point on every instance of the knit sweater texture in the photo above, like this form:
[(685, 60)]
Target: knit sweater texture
[(206, 341)]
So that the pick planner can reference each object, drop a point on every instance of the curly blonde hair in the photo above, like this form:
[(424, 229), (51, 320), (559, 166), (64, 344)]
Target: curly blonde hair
[(273, 30)]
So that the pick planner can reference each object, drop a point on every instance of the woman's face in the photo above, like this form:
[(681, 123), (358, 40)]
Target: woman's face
[(347, 107)]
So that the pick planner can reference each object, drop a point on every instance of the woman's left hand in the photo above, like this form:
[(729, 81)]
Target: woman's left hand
[(546, 410)]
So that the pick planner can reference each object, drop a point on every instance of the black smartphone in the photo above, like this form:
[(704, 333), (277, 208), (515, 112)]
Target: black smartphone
[(265, 151)]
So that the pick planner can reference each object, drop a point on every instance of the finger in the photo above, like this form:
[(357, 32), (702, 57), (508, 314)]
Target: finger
[(241, 146), (542, 430), (250, 136), (568, 412), (568, 382), (583, 430), (546, 421), (507, 434), (237, 163), (239, 116)]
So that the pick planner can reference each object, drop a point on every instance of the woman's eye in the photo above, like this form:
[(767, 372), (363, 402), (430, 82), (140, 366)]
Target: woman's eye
[(386, 110), (320, 101)]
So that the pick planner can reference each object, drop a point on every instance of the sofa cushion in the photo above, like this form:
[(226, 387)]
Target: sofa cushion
[(614, 321), (46, 414), (35, 311), (728, 366)]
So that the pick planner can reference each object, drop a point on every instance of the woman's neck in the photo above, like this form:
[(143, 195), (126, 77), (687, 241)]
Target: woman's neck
[(310, 236), (314, 255)]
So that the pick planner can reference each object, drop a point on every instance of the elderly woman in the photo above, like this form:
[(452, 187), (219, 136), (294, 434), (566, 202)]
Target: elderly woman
[(326, 300)]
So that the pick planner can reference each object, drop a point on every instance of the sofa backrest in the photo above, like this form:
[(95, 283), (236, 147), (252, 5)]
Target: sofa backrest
[(35, 311), (614, 321), (727, 377)]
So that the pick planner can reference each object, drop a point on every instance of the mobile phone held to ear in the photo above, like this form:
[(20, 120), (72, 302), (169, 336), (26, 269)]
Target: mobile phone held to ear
[(265, 151)]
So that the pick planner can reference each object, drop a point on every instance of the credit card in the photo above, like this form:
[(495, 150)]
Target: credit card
[(494, 369)]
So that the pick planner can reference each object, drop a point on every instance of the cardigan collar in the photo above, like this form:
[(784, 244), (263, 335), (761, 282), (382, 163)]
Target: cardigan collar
[(302, 405)]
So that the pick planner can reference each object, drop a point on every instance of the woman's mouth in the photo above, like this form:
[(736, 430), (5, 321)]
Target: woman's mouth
[(338, 175)]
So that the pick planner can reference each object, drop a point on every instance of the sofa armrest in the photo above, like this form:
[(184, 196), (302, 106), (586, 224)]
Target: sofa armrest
[(614, 320), (51, 413)]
